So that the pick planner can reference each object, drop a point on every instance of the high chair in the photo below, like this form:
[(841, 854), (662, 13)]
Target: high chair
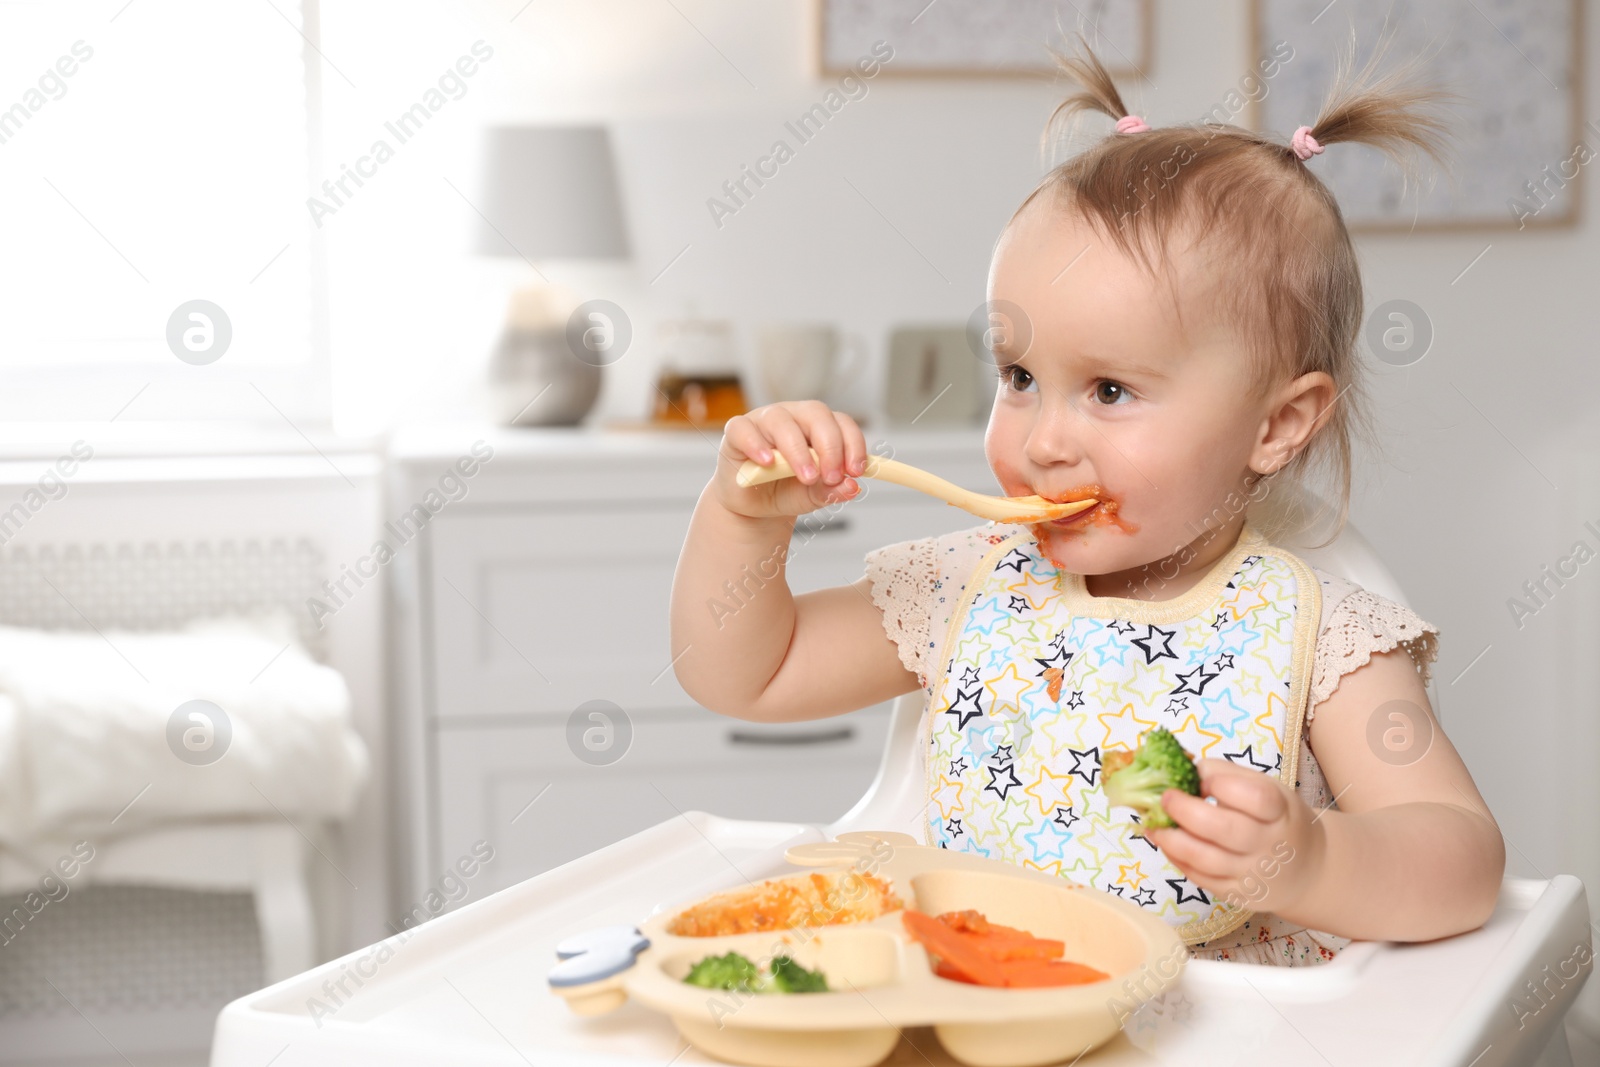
[(468, 987)]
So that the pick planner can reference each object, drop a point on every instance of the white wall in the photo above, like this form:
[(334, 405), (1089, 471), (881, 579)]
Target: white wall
[(946, 162), (1462, 504)]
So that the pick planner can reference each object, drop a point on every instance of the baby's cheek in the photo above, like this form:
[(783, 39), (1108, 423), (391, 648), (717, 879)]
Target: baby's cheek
[(1178, 506), (1005, 472)]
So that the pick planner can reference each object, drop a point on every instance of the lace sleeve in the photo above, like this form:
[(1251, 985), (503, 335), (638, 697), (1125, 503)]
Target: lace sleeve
[(905, 577), (1361, 624)]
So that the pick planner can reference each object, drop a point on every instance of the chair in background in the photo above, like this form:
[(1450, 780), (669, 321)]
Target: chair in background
[(165, 925)]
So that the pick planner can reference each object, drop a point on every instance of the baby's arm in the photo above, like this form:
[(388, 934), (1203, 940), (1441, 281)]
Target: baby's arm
[(754, 650), (1411, 853)]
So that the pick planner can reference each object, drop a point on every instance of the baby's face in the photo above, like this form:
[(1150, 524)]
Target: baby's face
[(1113, 399)]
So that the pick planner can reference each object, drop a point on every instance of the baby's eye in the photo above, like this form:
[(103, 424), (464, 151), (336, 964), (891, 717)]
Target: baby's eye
[(1109, 392), (1009, 375)]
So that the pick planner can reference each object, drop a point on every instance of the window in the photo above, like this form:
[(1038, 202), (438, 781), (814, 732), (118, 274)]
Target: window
[(153, 154)]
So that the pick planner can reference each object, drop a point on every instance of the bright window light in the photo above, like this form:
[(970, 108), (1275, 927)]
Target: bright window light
[(153, 154)]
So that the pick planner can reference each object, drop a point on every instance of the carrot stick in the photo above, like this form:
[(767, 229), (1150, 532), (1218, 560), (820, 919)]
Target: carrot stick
[(944, 970), (953, 948), (1001, 942), (967, 947), (1033, 973), (975, 922), (1017, 948)]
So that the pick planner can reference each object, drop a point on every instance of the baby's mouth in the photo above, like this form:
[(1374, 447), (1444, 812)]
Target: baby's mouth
[(1081, 516), (1105, 504)]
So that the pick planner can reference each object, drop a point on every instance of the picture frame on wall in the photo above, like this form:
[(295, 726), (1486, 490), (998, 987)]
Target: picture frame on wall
[(1517, 131), (981, 38)]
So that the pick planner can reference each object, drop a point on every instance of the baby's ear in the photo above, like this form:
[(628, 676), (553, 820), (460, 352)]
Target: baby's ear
[(1300, 407)]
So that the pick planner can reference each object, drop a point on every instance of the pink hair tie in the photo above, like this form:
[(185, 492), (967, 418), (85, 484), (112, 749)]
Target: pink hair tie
[(1304, 145), (1131, 124)]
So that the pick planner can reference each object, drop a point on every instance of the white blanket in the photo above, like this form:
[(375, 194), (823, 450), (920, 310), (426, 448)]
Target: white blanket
[(85, 744)]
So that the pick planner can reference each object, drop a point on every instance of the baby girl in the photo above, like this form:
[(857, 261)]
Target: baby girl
[(1177, 312)]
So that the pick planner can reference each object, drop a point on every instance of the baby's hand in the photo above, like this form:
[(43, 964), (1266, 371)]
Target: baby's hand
[(788, 429), (1259, 846)]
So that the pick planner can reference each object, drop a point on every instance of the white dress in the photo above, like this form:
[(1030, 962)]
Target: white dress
[(917, 585)]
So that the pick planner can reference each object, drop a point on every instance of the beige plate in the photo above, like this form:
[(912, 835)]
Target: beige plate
[(1022, 509), (880, 979)]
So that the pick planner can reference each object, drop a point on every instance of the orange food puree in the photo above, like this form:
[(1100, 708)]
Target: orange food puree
[(969, 948), (1104, 515), (786, 903)]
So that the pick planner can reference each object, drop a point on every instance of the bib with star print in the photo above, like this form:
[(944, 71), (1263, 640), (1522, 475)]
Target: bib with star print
[(1041, 679)]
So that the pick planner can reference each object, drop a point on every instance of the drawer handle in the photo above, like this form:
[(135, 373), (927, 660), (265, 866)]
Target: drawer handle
[(821, 737), (837, 524)]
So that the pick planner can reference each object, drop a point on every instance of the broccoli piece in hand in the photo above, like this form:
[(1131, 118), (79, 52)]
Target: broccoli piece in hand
[(789, 977), (1137, 779), (731, 971)]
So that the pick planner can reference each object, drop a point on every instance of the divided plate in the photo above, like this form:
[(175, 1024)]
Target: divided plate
[(880, 980)]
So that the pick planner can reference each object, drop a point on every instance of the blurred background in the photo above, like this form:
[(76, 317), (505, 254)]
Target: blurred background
[(334, 335)]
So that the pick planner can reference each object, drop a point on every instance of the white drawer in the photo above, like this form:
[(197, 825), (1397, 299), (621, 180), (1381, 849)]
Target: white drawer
[(829, 547), (521, 790), (535, 611)]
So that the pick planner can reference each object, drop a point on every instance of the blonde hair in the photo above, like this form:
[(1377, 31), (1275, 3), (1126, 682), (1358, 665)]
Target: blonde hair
[(1294, 283)]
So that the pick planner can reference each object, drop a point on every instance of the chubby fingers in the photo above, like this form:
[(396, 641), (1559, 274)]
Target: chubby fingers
[(742, 439), (1201, 861), (781, 426), (1247, 804), (855, 445), (1220, 830), (821, 428), (1241, 789), (797, 429)]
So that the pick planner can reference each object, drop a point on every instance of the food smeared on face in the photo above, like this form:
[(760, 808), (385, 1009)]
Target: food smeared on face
[(1104, 513), (1050, 535)]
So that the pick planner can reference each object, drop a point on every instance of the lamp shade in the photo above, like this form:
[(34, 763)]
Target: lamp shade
[(550, 192)]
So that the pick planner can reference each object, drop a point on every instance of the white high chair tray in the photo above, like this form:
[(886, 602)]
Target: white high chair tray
[(468, 988)]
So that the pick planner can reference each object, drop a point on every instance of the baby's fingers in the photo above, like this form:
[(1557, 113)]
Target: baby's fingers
[(822, 495), (744, 440), (790, 440), (1251, 792), (826, 434), (855, 444), (1195, 854), (1229, 830)]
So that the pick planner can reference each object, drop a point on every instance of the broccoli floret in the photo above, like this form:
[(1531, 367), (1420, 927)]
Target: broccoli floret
[(731, 971), (1137, 780), (734, 971), (789, 977)]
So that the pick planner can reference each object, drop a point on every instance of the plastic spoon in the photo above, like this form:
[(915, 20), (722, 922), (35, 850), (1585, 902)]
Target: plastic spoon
[(1020, 509)]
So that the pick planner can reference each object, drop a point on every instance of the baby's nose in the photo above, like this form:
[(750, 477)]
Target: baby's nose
[(1053, 442)]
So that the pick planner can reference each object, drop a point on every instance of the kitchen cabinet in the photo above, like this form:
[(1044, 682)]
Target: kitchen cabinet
[(530, 595)]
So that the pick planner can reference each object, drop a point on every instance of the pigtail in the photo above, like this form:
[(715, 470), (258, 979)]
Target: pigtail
[(1099, 92), (1397, 113), (1291, 280), (1400, 113)]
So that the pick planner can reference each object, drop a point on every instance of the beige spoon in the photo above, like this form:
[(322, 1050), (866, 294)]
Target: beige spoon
[(1021, 509)]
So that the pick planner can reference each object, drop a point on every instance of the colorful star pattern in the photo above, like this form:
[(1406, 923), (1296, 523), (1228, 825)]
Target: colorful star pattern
[(1033, 695)]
